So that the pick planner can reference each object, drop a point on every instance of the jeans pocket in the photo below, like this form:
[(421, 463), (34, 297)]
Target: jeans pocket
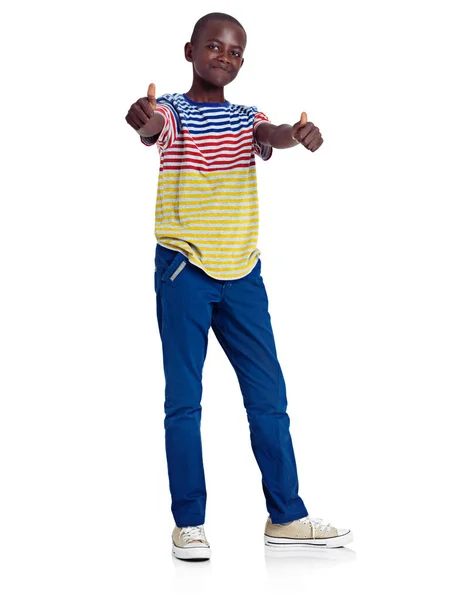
[(169, 270), (172, 273)]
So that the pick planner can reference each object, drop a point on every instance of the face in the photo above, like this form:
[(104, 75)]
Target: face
[(218, 54)]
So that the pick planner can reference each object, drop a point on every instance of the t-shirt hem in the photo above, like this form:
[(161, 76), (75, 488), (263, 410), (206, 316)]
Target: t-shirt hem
[(209, 274)]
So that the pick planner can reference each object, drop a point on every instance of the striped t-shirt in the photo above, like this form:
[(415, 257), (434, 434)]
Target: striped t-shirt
[(207, 197)]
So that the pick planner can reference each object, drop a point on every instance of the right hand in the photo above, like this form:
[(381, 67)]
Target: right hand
[(142, 110)]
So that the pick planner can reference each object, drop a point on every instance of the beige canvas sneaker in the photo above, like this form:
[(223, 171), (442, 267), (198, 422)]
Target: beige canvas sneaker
[(305, 532), (190, 543)]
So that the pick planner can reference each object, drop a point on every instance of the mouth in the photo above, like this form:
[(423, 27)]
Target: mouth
[(221, 69)]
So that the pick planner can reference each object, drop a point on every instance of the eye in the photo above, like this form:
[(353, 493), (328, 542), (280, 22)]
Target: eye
[(216, 46)]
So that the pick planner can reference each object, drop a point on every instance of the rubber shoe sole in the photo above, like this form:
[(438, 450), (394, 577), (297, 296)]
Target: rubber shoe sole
[(193, 553), (345, 537)]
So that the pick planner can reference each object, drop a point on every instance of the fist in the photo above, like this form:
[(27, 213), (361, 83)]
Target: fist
[(142, 110), (307, 133)]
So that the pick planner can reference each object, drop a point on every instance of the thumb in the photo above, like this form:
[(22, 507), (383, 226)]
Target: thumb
[(151, 95), (303, 119)]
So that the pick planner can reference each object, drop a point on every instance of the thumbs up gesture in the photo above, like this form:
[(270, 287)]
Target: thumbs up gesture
[(142, 111), (151, 96), (307, 133)]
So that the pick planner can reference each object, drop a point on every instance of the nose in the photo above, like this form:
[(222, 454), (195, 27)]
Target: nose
[(222, 58), (224, 62)]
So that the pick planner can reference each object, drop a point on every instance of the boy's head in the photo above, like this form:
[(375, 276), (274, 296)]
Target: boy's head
[(216, 48)]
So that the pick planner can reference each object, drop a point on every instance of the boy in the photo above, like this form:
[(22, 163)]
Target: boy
[(208, 274)]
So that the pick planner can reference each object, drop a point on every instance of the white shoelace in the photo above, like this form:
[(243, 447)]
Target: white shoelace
[(316, 524), (194, 533)]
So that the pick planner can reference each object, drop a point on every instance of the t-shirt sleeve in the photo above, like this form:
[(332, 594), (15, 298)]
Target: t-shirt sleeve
[(261, 150), (172, 124)]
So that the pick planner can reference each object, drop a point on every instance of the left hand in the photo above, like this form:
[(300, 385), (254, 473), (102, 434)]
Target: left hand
[(307, 133)]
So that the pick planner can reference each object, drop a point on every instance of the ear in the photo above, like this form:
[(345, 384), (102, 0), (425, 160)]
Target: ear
[(188, 51)]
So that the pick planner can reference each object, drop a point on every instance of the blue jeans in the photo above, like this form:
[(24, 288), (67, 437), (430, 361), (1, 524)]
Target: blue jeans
[(188, 303)]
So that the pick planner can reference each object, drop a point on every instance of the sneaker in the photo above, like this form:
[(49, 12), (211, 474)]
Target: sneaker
[(190, 543), (305, 532)]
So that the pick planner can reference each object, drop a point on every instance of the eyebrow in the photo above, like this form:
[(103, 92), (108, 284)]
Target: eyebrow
[(216, 40)]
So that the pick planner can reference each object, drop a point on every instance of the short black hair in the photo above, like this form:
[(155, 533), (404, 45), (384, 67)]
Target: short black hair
[(215, 16)]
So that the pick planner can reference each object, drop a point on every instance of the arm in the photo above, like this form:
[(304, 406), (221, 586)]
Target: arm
[(277, 136), (153, 126), (286, 136), (163, 128), (154, 122)]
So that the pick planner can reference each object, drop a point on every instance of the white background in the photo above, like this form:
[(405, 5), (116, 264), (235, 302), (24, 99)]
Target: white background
[(355, 258)]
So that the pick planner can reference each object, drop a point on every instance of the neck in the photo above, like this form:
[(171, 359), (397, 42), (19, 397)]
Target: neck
[(203, 94)]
